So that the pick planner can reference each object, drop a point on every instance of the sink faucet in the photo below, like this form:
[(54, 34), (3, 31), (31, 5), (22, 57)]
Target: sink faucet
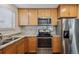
[(0, 36)]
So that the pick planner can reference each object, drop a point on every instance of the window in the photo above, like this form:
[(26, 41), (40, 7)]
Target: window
[(7, 18)]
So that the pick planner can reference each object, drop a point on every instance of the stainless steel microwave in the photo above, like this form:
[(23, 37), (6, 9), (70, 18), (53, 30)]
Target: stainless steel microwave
[(44, 21)]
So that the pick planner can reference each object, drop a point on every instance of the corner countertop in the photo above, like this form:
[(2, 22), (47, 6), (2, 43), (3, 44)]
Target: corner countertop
[(9, 33), (5, 45), (19, 35)]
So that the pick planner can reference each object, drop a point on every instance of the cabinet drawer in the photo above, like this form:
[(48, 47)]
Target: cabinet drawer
[(56, 45)]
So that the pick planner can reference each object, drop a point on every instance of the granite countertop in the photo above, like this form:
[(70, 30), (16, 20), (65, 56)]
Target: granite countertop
[(11, 33), (20, 37), (11, 42)]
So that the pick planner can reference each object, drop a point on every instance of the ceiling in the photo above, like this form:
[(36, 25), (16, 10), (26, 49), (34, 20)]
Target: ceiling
[(36, 5)]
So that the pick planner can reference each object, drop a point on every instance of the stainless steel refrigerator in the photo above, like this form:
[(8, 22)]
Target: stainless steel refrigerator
[(68, 28)]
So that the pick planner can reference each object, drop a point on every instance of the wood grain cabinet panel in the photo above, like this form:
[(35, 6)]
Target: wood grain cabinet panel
[(32, 45), (33, 17), (68, 10), (26, 45), (41, 12), (63, 10), (47, 12), (73, 10), (20, 46), (54, 16), (1, 51), (11, 49), (23, 16), (56, 44), (44, 12)]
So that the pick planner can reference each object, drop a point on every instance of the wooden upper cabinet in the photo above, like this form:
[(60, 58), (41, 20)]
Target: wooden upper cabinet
[(44, 12), (67, 10), (23, 17), (32, 44), (63, 11), (47, 12), (33, 17), (41, 12), (74, 10), (53, 16)]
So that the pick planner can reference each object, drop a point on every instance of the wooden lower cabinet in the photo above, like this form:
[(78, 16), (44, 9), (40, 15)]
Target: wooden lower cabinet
[(26, 45), (11, 49), (56, 44), (20, 46), (1, 51), (32, 44)]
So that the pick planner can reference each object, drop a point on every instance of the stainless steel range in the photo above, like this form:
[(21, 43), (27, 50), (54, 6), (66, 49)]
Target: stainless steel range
[(44, 39)]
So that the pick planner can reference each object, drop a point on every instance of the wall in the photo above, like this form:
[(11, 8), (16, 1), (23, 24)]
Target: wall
[(14, 9), (33, 30)]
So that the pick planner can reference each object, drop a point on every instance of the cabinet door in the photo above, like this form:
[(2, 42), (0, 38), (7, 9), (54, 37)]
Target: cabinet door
[(56, 44), (44, 12), (64, 10), (20, 46), (0, 51), (47, 13), (32, 45), (33, 17), (11, 49), (23, 17), (54, 16), (41, 12), (73, 10), (25, 44), (68, 10)]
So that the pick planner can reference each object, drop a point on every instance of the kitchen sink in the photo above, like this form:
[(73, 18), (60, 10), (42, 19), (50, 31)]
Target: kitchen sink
[(3, 43), (14, 38), (8, 40)]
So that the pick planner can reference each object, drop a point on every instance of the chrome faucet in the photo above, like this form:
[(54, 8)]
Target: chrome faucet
[(0, 36)]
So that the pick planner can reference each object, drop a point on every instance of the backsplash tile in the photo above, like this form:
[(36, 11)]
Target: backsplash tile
[(30, 30), (33, 30), (9, 31)]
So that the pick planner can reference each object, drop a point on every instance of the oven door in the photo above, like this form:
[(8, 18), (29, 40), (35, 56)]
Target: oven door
[(44, 42)]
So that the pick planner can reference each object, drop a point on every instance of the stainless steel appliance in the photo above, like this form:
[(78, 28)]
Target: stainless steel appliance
[(70, 35), (44, 21), (44, 39)]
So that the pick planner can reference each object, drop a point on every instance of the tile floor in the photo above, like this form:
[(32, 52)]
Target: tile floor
[(44, 51)]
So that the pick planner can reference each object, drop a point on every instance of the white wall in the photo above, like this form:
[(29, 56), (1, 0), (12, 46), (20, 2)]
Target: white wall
[(14, 9)]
